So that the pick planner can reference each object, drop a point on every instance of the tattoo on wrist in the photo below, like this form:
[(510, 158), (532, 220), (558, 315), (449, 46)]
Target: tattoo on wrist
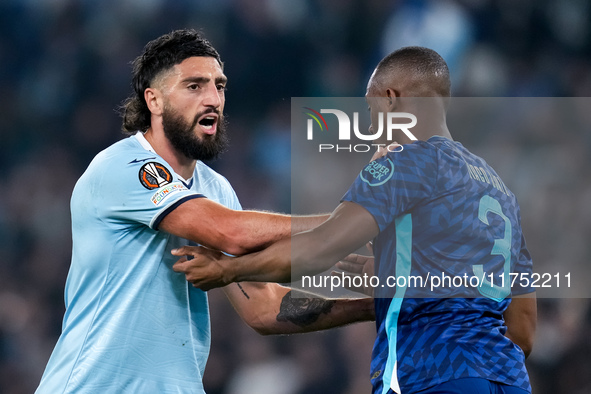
[(243, 292), (302, 310)]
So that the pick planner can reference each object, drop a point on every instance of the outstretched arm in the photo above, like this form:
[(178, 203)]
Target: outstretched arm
[(349, 227), (236, 232), (273, 309)]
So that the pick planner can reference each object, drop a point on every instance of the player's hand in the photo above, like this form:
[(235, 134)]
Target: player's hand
[(384, 150), (205, 269), (357, 265)]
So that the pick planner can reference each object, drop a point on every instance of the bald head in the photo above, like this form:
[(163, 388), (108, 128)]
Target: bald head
[(401, 82), (413, 72)]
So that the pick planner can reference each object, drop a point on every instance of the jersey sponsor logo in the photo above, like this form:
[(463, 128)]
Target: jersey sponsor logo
[(154, 175), (376, 174), (141, 160), (166, 191)]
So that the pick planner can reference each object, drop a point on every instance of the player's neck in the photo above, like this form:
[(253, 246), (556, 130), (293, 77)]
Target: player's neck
[(430, 113), (432, 128), (182, 165)]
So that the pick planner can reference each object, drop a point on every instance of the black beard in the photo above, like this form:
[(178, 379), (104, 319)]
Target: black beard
[(181, 136)]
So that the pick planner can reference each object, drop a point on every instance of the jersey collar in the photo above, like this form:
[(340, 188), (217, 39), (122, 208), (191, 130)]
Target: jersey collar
[(144, 142)]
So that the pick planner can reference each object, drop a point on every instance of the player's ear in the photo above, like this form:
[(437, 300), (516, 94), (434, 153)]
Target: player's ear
[(154, 100), (392, 98)]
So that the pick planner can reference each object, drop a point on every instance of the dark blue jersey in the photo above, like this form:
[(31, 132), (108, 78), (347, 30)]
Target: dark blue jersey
[(447, 255)]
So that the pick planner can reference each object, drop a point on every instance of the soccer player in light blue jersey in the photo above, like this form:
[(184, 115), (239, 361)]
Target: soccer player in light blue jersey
[(132, 324), (434, 210)]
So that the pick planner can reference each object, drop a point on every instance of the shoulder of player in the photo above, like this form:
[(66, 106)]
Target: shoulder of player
[(124, 154), (120, 164)]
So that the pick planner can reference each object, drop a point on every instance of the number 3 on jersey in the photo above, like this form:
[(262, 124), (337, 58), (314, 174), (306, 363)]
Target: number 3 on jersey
[(502, 246)]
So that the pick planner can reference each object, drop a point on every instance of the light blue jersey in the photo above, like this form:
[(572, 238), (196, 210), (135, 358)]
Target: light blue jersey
[(132, 324)]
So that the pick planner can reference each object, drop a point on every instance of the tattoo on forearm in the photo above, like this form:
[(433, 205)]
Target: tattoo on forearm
[(302, 310), (243, 292)]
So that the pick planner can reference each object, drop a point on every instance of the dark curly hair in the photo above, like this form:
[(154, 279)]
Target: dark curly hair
[(159, 56)]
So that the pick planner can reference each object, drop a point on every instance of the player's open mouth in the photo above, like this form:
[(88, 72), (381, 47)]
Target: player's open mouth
[(208, 123)]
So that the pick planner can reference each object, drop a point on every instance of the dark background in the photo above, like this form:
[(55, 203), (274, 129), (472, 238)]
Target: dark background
[(64, 70)]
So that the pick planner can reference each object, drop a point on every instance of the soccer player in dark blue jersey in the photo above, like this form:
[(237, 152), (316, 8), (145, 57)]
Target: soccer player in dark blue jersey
[(437, 213)]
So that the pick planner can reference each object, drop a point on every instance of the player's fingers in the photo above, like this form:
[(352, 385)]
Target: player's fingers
[(353, 258), (369, 246), (348, 284), (341, 274), (179, 266), (186, 250), (196, 284), (202, 287), (199, 284), (355, 264), (357, 258), (349, 267)]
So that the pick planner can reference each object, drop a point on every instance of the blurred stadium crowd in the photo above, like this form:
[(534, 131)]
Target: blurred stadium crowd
[(64, 69)]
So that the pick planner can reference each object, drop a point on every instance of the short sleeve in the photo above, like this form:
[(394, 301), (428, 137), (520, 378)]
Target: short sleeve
[(231, 197), (143, 193), (396, 183)]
